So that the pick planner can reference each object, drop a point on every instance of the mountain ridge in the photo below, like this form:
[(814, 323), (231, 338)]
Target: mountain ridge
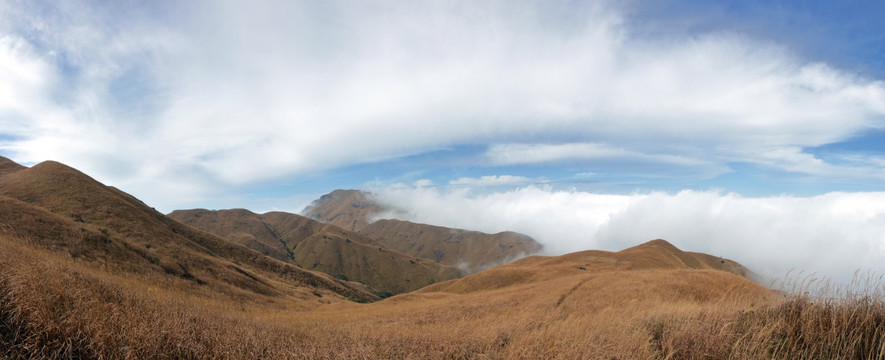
[(61, 209), (471, 251), (323, 247), (655, 254)]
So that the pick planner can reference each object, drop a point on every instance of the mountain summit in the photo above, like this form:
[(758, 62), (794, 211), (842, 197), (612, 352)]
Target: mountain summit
[(8, 166), (471, 251)]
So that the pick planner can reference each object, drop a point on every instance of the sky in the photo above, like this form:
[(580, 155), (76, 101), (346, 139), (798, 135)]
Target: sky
[(753, 130)]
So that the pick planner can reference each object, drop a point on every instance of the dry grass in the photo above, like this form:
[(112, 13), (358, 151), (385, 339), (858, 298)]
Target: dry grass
[(52, 306), (63, 210), (818, 321), (57, 308)]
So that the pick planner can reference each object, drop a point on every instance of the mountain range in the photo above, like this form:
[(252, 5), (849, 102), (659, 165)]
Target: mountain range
[(312, 245), (344, 240), (89, 271), (56, 208)]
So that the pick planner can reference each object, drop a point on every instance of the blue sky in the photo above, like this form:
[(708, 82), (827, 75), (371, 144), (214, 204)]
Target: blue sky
[(846, 34), (267, 105)]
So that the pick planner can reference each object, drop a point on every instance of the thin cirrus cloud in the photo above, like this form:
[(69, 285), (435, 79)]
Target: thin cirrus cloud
[(225, 94), (494, 180), (519, 154), (828, 236)]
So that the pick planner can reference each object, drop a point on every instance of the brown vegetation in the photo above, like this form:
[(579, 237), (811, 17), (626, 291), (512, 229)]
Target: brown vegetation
[(321, 247), (834, 323), (54, 307), (57, 208)]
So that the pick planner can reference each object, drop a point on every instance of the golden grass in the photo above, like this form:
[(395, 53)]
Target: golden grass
[(818, 321), (52, 306)]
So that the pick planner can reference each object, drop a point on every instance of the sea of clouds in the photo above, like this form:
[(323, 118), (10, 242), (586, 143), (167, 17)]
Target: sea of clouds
[(828, 236)]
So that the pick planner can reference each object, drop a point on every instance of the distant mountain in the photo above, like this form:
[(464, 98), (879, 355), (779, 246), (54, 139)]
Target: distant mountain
[(322, 247), (347, 209), (471, 251), (53, 207)]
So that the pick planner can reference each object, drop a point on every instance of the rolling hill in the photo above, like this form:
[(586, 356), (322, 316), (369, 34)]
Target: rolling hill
[(8, 166), (471, 251), (322, 247), (652, 255), (650, 301), (57, 208)]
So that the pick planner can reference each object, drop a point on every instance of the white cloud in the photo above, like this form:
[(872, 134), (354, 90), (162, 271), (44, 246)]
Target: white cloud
[(221, 93), (791, 158), (23, 76), (511, 154), (423, 183), (832, 234), (495, 180)]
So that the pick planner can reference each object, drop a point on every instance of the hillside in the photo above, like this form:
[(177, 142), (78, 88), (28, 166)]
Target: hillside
[(54, 207), (321, 247), (8, 166), (653, 255), (471, 251), (637, 303)]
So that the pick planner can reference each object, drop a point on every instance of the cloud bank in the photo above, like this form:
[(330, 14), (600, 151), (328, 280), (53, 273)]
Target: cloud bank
[(831, 235), (214, 94)]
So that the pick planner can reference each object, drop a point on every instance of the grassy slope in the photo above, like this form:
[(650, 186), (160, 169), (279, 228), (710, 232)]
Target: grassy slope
[(8, 166), (652, 301), (57, 307), (322, 247), (55, 207), (653, 255), (470, 250), (53, 306), (582, 315), (238, 225)]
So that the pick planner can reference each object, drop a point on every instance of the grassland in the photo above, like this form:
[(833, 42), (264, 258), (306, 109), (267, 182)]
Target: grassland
[(52, 306), (98, 275)]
